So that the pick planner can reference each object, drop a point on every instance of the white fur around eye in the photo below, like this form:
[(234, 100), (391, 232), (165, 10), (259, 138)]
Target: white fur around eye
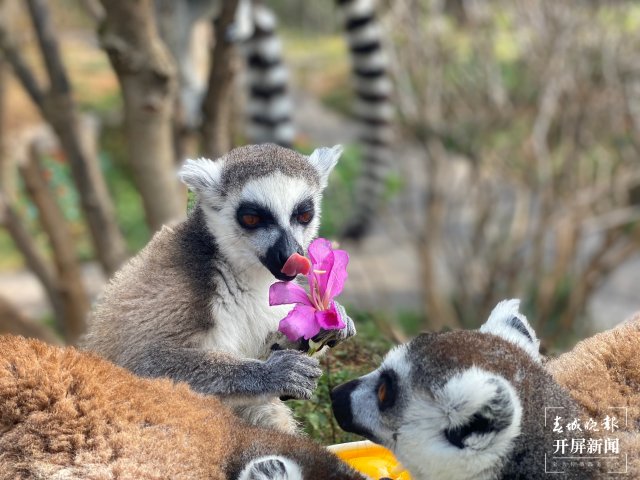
[(397, 361), (279, 194)]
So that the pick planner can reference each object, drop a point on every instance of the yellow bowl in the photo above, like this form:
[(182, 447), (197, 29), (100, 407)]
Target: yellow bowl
[(370, 459)]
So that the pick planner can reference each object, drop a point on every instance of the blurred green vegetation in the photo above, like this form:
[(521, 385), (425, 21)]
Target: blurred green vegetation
[(316, 17), (128, 203), (351, 359), (340, 193), (57, 171)]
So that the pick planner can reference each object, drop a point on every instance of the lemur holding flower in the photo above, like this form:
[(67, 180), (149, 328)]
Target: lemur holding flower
[(194, 304)]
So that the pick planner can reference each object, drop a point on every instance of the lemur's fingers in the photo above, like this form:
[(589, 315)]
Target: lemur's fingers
[(350, 329), (332, 337), (292, 374), (279, 341)]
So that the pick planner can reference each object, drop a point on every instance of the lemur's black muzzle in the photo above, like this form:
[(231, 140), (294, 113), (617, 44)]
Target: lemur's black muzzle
[(342, 408), (279, 253)]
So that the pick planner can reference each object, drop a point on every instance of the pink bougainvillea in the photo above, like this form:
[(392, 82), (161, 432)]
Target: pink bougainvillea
[(314, 310)]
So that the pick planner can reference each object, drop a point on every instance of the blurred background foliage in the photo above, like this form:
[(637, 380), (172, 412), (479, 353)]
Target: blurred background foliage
[(516, 169)]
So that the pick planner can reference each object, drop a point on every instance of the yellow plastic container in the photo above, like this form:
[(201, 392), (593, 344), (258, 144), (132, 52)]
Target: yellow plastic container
[(370, 459)]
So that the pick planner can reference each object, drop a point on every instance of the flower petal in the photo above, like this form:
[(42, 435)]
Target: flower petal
[(300, 322), (332, 280), (337, 275), (329, 319), (284, 293), (319, 249)]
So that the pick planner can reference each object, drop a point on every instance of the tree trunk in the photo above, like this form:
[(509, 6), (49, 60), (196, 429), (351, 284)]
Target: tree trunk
[(58, 108), (147, 77), (60, 111), (32, 256), (216, 107), (14, 322), (69, 282), (11, 221)]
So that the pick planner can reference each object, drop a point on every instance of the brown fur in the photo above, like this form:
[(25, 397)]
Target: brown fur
[(69, 414), (603, 371)]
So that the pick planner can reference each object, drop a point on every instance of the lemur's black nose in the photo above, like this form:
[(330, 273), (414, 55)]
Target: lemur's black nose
[(341, 405), (283, 255), (279, 253)]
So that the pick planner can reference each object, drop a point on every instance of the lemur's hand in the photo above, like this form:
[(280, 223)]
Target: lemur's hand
[(333, 337), (278, 341), (292, 374)]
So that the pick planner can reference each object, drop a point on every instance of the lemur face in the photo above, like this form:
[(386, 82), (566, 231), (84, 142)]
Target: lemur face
[(276, 216), (445, 403), (262, 202)]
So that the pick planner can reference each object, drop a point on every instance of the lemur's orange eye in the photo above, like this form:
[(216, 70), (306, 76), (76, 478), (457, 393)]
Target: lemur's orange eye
[(250, 220), (305, 217), (382, 392)]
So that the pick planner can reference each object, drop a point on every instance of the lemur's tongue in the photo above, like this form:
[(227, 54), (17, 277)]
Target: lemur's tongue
[(296, 264)]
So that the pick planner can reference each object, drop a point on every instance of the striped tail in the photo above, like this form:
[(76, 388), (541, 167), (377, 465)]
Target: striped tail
[(373, 109), (269, 102)]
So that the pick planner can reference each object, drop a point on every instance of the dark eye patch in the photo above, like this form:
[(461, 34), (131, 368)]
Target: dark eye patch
[(303, 209), (515, 323), (304, 206), (386, 390), (254, 209)]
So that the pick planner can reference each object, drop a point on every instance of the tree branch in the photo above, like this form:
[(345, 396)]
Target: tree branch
[(59, 110), (21, 69), (216, 135), (33, 258), (147, 76), (69, 280), (49, 46)]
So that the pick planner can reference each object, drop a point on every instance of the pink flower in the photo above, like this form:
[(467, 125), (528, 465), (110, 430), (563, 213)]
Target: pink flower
[(315, 310)]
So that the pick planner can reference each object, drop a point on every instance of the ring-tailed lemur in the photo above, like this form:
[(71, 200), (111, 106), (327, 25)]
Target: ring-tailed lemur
[(269, 103), (465, 404), (193, 304)]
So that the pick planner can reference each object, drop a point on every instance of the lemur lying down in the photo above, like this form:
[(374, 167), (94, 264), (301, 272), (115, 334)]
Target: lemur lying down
[(65, 414), (481, 405), (602, 373)]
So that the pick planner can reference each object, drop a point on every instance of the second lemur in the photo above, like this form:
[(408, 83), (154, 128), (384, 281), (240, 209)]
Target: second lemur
[(193, 304)]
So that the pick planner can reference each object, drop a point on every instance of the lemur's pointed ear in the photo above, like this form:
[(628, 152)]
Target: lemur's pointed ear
[(201, 175), (483, 410), (507, 322), (324, 159)]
